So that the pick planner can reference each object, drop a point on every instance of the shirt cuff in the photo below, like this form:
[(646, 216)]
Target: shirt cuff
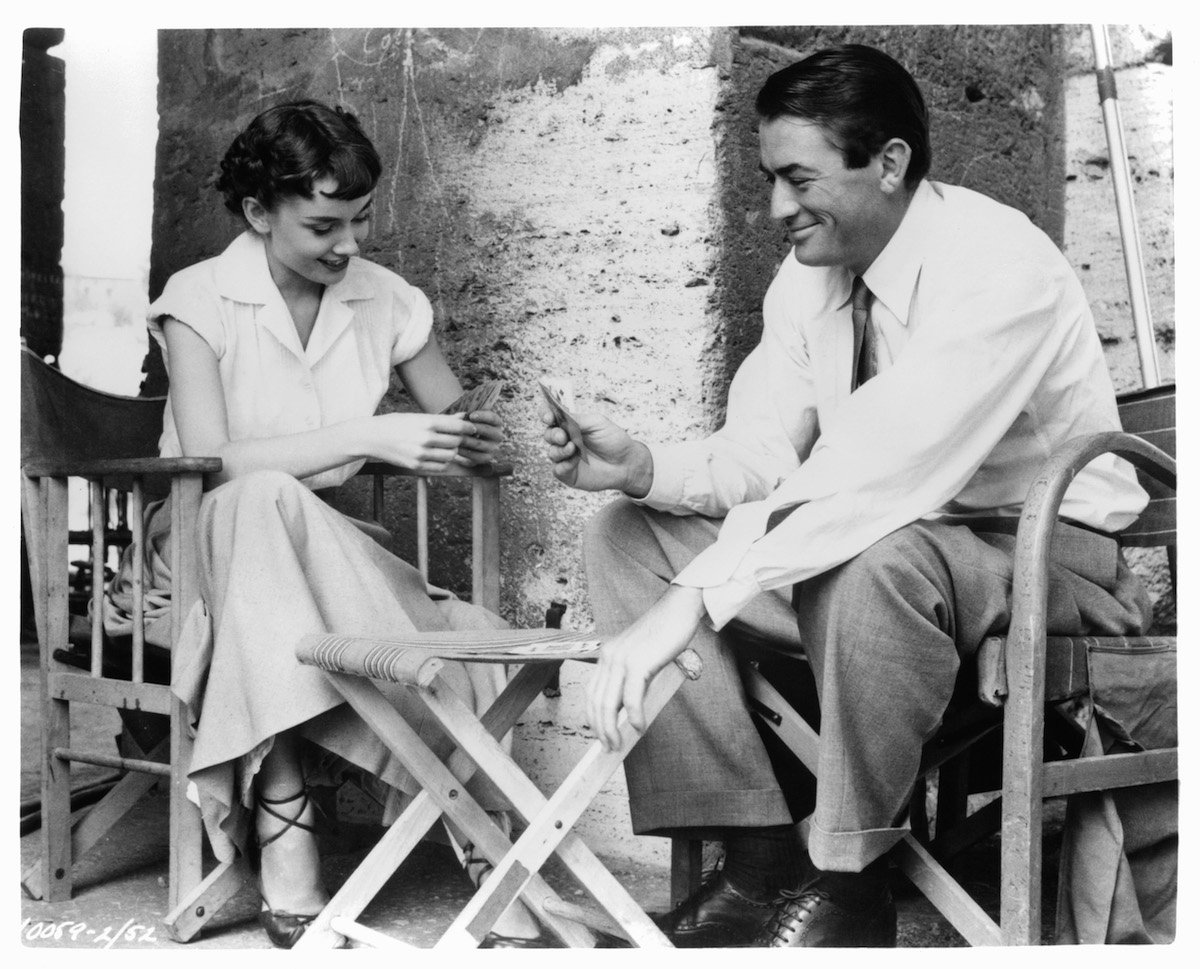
[(724, 595), (666, 483)]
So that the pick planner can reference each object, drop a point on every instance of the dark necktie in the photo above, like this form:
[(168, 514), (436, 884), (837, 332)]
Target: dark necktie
[(863, 369), (864, 334)]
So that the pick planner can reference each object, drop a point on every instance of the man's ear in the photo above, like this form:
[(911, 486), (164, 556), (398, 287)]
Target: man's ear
[(893, 159), (256, 214)]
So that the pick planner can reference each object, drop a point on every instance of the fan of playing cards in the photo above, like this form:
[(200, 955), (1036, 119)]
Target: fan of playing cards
[(483, 397), (558, 397)]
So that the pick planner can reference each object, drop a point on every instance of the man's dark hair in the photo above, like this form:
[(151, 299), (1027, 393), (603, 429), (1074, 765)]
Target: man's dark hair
[(861, 95), (289, 147)]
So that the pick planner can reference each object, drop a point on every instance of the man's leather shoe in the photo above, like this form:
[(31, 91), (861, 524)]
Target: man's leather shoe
[(813, 917), (716, 915)]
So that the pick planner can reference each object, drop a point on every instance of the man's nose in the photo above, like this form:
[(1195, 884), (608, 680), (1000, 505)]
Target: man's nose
[(783, 200)]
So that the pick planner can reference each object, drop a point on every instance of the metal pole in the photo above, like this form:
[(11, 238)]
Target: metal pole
[(1139, 300)]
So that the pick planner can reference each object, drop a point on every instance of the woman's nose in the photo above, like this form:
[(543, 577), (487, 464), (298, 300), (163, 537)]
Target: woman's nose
[(347, 245)]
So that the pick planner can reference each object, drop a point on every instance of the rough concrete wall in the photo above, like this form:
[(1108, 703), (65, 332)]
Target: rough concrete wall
[(42, 128), (994, 96)]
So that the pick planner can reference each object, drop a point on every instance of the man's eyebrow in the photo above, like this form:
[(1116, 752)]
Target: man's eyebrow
[(792, 169)]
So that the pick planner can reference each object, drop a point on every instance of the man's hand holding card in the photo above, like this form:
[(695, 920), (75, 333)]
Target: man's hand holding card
[(590, 452), (559, 400)]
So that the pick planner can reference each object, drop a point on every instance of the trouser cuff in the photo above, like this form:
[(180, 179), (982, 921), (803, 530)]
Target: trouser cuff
[(671, 814), (848, 850)]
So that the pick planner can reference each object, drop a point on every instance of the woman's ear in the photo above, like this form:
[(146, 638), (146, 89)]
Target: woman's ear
[(894, 158), (256, 214)]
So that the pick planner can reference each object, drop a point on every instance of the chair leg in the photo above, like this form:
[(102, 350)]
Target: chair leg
[(953, 781), (88, 829), (185, 862), (204, 900), (485, 543), (687, 859), (52, 878), (57, 876), (918, 812)]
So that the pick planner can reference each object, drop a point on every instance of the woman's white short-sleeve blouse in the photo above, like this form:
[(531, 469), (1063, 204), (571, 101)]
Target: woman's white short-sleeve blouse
[(368, 322)]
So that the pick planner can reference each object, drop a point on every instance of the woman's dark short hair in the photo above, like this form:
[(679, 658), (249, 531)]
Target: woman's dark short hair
[(861, 95), (289, 147)]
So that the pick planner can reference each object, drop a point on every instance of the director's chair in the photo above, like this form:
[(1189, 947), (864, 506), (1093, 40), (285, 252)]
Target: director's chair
[(414, 661), (1027, 674)]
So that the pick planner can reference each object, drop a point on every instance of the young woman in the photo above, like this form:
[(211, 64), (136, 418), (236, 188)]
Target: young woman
[(279, 351)]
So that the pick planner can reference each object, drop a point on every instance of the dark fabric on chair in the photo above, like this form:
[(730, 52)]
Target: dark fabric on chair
[(1120, 854), (61, 418)]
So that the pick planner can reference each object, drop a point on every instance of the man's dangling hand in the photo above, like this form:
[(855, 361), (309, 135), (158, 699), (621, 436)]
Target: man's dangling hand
[(630, 659)]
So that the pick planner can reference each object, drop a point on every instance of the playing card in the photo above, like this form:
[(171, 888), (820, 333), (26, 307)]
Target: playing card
[(563, 417), (483, 397)]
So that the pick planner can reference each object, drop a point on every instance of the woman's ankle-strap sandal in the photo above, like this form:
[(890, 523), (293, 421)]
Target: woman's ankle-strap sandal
[(288, 823), (283, 928)]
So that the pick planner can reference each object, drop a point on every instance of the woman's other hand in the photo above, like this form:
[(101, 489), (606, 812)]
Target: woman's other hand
[(481, 446), (420, 442)]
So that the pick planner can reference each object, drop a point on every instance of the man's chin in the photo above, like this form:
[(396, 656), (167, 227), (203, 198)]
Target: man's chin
[(807, 256)]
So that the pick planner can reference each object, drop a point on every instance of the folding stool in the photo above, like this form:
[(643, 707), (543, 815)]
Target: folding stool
[(414, 661)]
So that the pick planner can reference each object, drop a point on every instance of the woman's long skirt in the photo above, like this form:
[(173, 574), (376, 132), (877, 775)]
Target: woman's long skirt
[(277, 563)]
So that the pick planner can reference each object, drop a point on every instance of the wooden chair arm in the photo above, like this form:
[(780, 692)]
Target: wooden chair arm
[(496, 470), (1027, 631), (65, 468)]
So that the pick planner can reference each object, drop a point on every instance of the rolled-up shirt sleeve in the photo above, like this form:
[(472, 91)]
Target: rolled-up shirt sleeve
[(902, 445)]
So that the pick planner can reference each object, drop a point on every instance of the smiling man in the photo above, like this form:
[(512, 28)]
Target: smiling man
[(924, 350)]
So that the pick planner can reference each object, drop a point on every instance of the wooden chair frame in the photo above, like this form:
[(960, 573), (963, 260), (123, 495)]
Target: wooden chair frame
[(44, 513), (192, 898)]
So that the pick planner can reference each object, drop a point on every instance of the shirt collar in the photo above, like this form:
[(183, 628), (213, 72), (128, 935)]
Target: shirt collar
[(892, 277), (242, 274)]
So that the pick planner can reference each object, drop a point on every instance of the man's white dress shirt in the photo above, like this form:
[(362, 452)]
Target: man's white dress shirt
[(988, 360)]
